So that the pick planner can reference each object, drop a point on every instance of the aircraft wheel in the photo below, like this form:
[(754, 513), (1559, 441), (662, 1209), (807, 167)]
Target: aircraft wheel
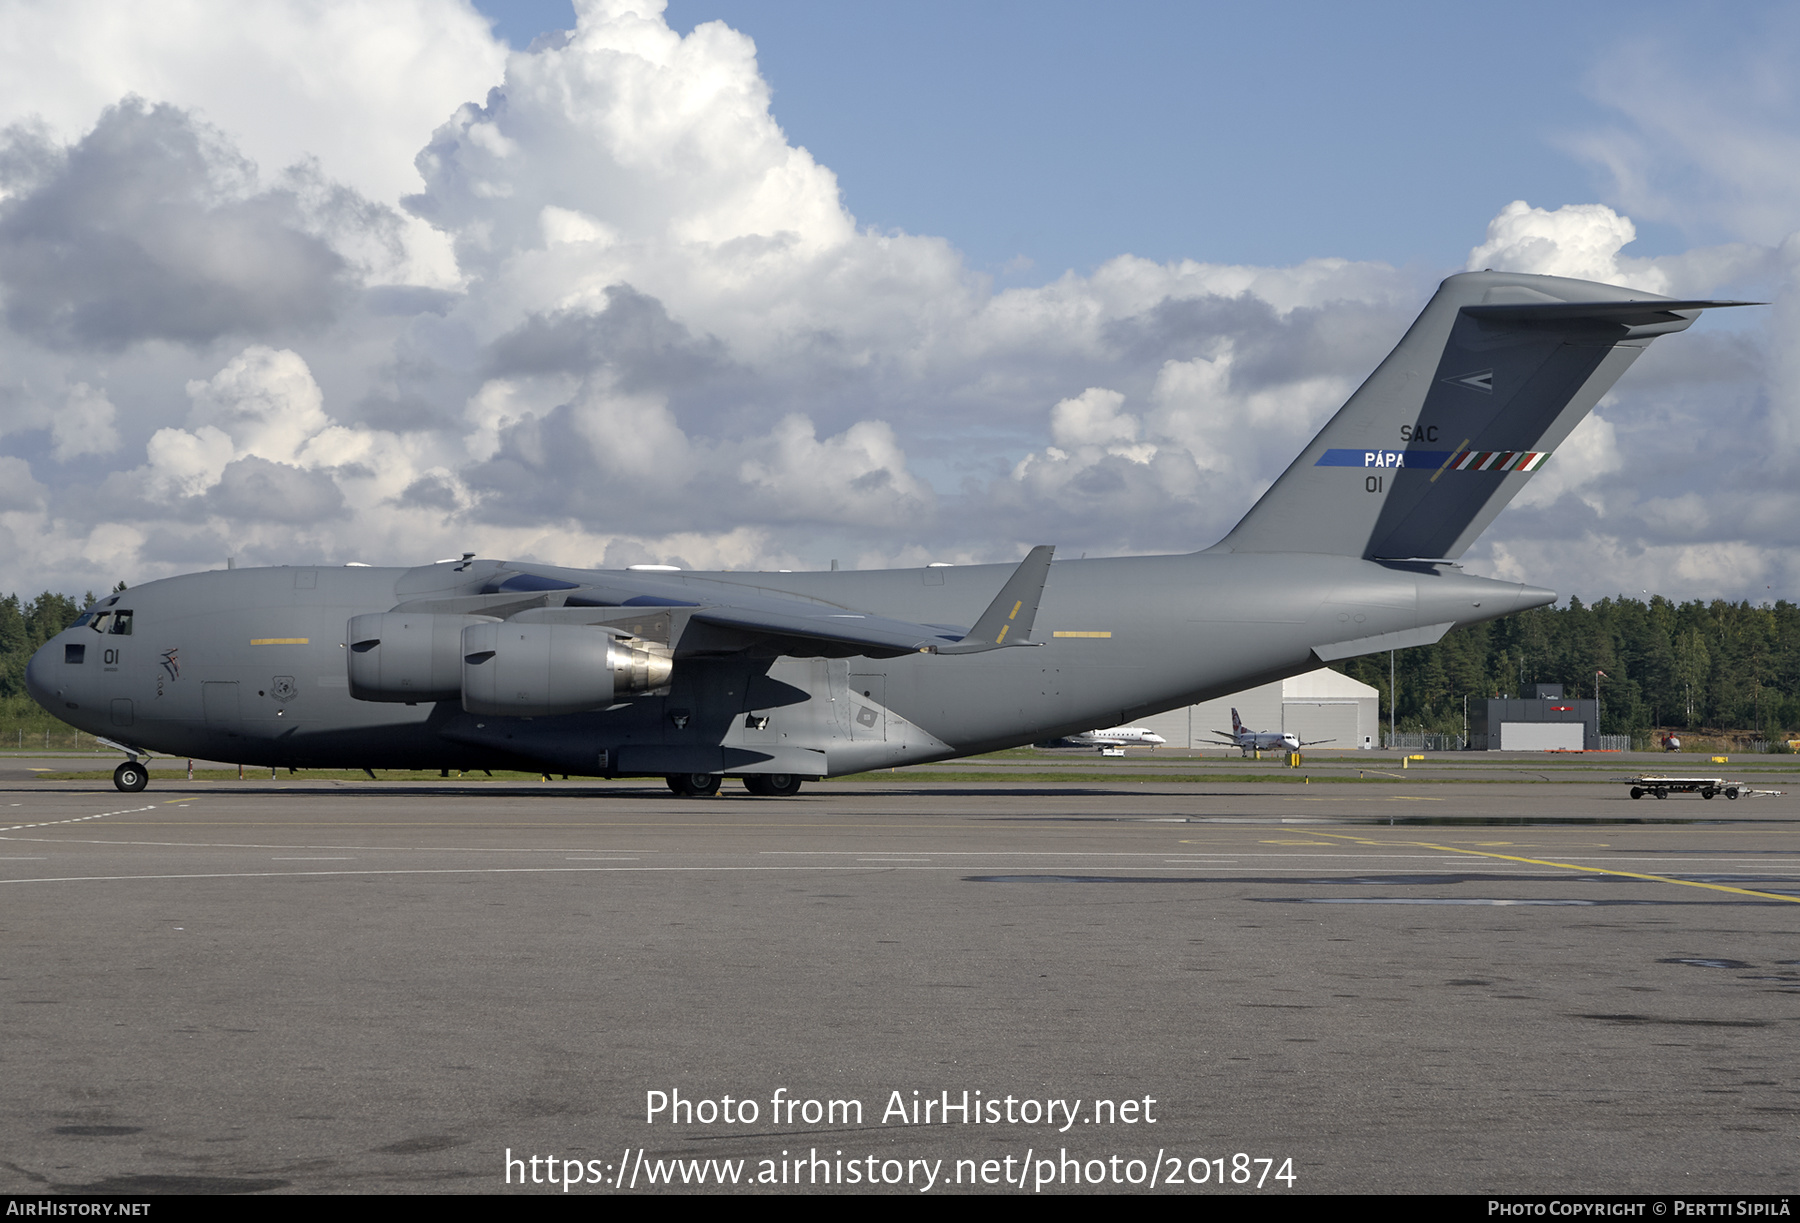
[(694, 785), (1636, 792), (131, 777), (772, 785), (1708, 792), (1732, 794)]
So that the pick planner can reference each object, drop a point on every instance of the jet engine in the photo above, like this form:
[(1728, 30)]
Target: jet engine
[(535, 670), (411, 657)]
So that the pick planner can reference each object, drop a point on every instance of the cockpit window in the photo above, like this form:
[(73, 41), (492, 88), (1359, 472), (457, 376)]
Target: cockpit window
[(82, 619), (116, 623)]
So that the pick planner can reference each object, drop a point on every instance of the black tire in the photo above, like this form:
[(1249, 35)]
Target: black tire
[(772, 785), (1660, 793), (1708, 792), (694, 785), (131, 777), (1732, 794), (1636, 792)]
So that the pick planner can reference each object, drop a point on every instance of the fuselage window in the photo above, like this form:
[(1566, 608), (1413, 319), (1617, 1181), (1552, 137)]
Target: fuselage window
[(74, 653)]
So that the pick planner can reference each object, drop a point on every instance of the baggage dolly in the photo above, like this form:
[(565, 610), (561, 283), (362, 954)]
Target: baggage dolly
[(1706, 787)]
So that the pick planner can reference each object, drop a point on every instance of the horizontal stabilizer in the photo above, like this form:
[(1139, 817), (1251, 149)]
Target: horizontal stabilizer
[(1617, 313), (1498, 369)]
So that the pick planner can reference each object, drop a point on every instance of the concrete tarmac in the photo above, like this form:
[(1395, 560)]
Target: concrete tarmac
[(304, 987)]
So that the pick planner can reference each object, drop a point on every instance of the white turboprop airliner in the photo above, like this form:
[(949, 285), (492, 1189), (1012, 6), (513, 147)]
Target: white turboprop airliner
[(1263, 740)]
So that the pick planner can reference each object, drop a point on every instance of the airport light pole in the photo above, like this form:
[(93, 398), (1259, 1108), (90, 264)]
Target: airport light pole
[(1390, 698)]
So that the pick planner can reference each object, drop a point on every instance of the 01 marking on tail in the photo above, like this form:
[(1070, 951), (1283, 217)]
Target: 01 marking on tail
[(776, 678)]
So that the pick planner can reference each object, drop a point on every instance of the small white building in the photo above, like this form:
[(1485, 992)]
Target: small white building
[(1320, 705)]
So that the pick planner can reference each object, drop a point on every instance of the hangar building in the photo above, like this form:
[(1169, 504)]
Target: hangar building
[(1546, 721), (1321, 704)]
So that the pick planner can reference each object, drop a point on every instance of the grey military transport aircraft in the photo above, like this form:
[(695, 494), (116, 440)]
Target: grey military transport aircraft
[(776, 678)]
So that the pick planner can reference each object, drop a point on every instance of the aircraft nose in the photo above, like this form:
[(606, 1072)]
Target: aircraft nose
[(40, 674)]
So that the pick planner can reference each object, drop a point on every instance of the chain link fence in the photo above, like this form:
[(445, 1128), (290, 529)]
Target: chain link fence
[(1419, 741), (46, 739)]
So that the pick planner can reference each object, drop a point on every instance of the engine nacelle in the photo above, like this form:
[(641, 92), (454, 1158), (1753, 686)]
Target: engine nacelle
[(535, 670), (405, 656)]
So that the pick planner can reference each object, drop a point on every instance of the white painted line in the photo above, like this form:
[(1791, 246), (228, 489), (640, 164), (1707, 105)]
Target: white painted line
[(78, 819), (450, 870), (1001, 865)]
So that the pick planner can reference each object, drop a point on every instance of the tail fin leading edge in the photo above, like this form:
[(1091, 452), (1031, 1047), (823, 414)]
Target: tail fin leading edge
[(1489, 380)]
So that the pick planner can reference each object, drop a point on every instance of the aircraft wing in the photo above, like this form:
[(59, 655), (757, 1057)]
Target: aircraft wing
[(1010, 614), (711, 616), (803, 625)]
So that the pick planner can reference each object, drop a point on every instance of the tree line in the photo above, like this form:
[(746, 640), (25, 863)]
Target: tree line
[(1706, 666), (26, 626)]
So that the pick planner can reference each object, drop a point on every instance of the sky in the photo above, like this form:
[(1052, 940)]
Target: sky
[(750, 285)]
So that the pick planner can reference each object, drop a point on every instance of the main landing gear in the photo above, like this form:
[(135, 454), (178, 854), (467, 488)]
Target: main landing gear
[(772, 785), (131, 777), (763, 785), (694, 785)]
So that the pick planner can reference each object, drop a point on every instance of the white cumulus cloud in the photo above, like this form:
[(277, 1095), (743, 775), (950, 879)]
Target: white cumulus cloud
[(354, 282), (1580, 241)]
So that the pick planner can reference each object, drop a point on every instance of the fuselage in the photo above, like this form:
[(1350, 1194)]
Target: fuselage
[(1119, 736), (1266, 741), (251, 664)]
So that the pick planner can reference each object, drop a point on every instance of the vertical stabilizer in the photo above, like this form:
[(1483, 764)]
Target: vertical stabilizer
[(1488, 381)]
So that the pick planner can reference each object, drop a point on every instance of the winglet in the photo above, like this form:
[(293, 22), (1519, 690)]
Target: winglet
[(1008, 619)]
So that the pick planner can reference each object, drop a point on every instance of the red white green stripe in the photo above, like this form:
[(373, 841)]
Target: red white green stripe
[(1499, 460)]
